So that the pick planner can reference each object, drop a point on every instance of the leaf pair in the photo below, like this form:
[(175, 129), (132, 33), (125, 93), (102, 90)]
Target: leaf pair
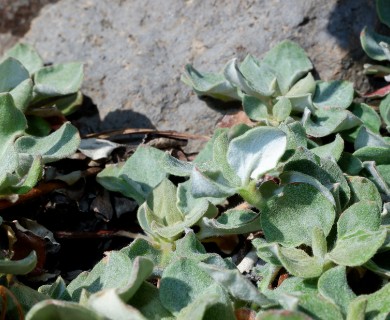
[(22, 157), (34, 86)]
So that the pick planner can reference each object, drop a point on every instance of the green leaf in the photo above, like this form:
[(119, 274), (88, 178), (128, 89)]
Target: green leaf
[(296, 136), (350, 164), (370, 41), (109, 305), (260, 89), (202, 208), (282, 109), (383, 10), (114, 271), (25, 296), (255, 108), (220, 150), (183, 282), (368, 116), (175, 166), (302, 102), (291, 177), (380, 155), (331, 150), (293, 285), (27, 55), (159, 215), (22, 94), (290, 62), (258, 76), (267, 251), (357, 309), (333, 94), (356, 248), (375, 177), (27, 182), (186, 199), (363, 215), (162, 201), (299, 263), (142, 172), (324, 170), (236, 284), (366, 138), (70, 103), (56, 290), (378, 304), (323, 122), (384, 171), (110, 179), (61, 310), (58, 145), (12, 74), (58, 80), (197, 310), (319, 245), (210, 84), (22, 266), (333, 285), (147, 301), (230, 222), (305, 86), (210, 184), (384, 109), (12, 120), (256, 152), (289, 217), (319, 307)]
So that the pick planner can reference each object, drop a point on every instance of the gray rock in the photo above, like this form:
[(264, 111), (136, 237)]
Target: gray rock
[(135, 51)]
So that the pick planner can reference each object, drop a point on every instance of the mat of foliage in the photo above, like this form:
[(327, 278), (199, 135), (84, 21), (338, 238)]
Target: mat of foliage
[(284, 214)]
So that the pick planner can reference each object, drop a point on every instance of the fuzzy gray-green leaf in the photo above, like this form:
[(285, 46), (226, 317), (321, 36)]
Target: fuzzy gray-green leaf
[(289, 61), (333, 94), (334, 286), (256, 151), (210, 84), (370, 42), (230, 222), (323, 122), (363, 215), (289, 217), (356, 248), (183, 282), (58, 80), (60, 144), (282, 109), (55, 309), (27, 55), (12, 74), (298, 263)]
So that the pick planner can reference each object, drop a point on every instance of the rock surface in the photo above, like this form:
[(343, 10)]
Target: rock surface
[(135, 51)]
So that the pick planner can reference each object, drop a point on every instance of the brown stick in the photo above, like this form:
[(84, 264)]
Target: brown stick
[(130, 131)]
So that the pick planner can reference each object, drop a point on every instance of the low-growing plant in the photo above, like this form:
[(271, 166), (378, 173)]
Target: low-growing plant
[(32, 93), (309, 182), (29, 93), (320, 204)]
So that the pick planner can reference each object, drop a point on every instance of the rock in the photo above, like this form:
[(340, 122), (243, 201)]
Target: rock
[(135, 51), (16, 17)]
